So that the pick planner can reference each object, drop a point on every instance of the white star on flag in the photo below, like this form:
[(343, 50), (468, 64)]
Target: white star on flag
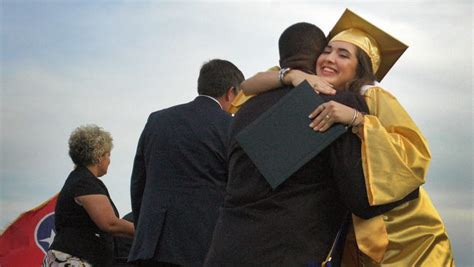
[(49, 239)]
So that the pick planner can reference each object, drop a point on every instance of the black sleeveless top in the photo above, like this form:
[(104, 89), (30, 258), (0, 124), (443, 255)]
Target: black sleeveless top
[(76, 233)]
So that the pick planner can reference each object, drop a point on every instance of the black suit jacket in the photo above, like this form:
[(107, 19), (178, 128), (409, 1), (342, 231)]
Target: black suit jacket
[(178, 182), (296, 223)]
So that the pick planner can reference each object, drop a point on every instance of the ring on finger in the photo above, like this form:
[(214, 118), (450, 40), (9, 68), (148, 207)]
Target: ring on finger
[(317, 91)]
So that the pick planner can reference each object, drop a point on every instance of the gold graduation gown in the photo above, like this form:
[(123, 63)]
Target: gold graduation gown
[(238, 101), (395, 158)]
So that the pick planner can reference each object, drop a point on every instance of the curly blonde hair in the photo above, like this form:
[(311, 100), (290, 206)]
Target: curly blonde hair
[(88, 143)]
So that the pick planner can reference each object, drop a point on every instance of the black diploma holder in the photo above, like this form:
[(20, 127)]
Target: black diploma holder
[(280, 141)]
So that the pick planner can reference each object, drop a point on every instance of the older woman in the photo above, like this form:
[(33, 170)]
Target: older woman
[(85, 216), (395, 154)]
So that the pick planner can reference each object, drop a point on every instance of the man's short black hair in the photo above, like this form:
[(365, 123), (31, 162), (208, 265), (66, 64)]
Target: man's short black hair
[(216, 76), (300, 45)]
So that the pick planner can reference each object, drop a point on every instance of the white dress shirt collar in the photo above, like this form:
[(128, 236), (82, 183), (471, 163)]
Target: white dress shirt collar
[(213, 99)]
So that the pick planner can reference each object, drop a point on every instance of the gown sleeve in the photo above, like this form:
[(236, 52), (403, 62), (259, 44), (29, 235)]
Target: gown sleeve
[(395, 154), (241, 98)]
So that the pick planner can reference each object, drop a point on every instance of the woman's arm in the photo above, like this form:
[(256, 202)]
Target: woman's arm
[(102, 214), (269, 80), (325, 115), (261, 82), (395, 154)]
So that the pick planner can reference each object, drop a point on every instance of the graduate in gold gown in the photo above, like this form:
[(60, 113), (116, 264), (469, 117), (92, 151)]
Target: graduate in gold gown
[(395, 154)]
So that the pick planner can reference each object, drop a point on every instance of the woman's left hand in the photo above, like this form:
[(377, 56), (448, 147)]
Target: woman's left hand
[(295, 77), (326, 114)]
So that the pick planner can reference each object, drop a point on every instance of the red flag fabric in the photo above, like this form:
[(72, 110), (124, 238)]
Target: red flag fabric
[(26, 240)]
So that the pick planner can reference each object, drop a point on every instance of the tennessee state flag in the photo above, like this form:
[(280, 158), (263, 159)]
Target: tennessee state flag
[(26, 240)]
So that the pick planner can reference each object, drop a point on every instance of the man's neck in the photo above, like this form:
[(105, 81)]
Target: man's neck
[(218, 101)]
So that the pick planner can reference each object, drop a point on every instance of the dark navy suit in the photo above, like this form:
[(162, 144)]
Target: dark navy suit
[(178, 182)]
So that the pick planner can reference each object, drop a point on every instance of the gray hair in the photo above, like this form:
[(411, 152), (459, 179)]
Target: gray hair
[(88, 143)]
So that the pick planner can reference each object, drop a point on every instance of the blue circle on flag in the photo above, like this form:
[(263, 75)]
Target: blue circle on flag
[(45, 232)]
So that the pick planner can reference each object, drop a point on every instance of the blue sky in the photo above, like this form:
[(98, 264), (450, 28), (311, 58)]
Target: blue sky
[(68, 63)]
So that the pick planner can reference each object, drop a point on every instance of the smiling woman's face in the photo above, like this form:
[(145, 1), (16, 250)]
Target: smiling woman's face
[(337, 63)]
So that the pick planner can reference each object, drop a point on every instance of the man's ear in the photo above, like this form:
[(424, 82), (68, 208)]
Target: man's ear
[(230, 94)]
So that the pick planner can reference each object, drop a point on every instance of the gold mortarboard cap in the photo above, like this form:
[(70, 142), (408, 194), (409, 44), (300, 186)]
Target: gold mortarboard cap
[(383, 49)]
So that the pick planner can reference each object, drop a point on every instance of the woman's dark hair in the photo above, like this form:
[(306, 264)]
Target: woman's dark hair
[(364, 74)]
